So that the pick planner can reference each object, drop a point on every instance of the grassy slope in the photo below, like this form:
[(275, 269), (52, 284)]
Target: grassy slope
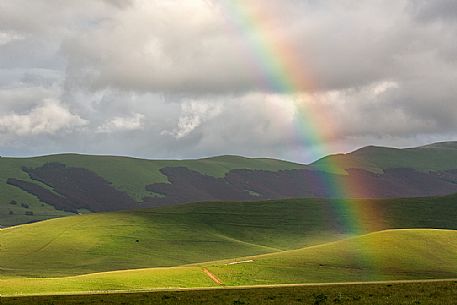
[(11, 168), (438, 156), (393, 254), (194, 233), (132, 175), (384, 255), (127, 174), (141, 279), (167, 237)]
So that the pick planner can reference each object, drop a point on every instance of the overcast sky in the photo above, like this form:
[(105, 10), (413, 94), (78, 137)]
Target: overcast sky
[(185, 79)]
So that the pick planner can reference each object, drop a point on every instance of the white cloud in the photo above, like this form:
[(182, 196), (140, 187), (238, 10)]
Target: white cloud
[(193, 114), (47, 118), (133, 122), (381, 87), (7, 37)]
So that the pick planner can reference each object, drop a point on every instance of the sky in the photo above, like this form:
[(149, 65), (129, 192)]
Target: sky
[(188, 79)]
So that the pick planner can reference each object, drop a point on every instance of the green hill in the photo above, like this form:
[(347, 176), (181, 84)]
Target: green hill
[(160, 237), (125, 174), (68, 184), (386, 255), (192, 233), (437, 156)]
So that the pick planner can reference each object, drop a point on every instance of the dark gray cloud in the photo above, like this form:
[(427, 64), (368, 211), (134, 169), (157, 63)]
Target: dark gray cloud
[(437, 10), (174, 79)]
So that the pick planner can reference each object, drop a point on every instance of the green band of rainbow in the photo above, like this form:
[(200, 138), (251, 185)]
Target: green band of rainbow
[(283, 71)]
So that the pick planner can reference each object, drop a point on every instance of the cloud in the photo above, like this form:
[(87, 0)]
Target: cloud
[(47, 118), (334, 44), (7, 37), (193, 114), (173, 79), (162, 49), (133, 122), (254, 124), (437, 10)]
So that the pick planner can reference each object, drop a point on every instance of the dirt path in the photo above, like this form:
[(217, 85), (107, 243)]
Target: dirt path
[(214, 278)]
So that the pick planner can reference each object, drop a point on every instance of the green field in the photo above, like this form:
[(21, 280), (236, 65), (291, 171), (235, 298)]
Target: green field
[(385, 255), (243, 243), (429, 293), (169, 236), (32, 256), (174, 236)]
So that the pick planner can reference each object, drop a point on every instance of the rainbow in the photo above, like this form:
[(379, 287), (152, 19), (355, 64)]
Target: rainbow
[(282, 71)]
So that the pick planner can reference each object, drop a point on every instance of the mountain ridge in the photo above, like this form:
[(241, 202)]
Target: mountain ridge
[(44, 187), (434, 145)]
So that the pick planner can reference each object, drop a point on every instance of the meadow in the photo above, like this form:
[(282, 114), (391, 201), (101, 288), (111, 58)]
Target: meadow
[(180, 235), (237, 243), (430, 293), (387, 255)]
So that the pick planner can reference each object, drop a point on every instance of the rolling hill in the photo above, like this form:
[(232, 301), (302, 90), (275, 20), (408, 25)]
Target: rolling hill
[(59, 190), (33, 189), (439, 156), (193, 233), (385, 255)]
